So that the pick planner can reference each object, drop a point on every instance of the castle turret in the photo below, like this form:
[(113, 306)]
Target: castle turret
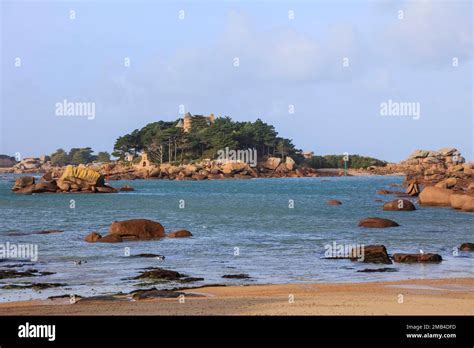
[(211, 118), (187, 122)]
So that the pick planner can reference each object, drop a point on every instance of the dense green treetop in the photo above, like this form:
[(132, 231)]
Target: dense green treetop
[(78, 156), (165, 142)]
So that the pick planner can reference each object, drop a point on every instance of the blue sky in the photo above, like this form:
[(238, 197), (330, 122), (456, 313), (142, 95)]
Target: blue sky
[(283, 62)]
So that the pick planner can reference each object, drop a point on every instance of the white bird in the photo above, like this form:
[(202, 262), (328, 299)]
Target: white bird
[(421, 252)]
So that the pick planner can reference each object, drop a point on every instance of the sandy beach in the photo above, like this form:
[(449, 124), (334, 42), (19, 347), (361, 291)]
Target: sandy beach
[(454, 296)]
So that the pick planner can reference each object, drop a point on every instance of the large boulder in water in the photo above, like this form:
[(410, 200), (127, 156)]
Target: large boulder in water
[(435, 196), (376, 222), (80, 177), (137, 229), (399, 205)]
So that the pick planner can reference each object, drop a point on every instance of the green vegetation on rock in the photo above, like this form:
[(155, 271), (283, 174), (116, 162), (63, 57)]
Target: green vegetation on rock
[(337, 161)]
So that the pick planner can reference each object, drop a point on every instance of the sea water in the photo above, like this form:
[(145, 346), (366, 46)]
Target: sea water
[(274, 230)]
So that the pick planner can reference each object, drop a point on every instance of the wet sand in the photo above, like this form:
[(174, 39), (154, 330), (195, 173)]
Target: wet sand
[(453, 296)]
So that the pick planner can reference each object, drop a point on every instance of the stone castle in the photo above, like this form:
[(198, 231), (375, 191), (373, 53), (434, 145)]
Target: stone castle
[(187, 120)]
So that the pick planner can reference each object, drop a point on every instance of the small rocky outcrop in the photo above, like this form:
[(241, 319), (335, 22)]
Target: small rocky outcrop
[(160, 274), (155, 293), (29, 164), (110, 238), (467, 247), (105, 189), (22, 182), (373, 254), (179, 234), (33, 286), (74, 179), (92, 237), (389, 192), (376, 222), (5, 274), (150, 255), (236, 276), (413, 189), (27, 185), (414, 258), (399, 205), (95, 237)]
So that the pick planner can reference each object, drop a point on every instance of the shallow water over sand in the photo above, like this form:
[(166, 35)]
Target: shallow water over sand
[(275, 244)]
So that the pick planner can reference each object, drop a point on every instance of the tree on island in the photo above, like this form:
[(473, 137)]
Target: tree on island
[(78, 156), (103, 156), (59, 158)]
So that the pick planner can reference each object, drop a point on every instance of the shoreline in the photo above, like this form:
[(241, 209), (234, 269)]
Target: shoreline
[(444, 296)]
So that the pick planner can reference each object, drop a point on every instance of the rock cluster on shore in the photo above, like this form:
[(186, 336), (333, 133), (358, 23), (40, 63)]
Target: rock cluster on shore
[(210, 169), (446, 168), (439, 178), (206, 169)]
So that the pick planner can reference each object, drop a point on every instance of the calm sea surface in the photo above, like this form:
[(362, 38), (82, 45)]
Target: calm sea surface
[(251, 218)]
